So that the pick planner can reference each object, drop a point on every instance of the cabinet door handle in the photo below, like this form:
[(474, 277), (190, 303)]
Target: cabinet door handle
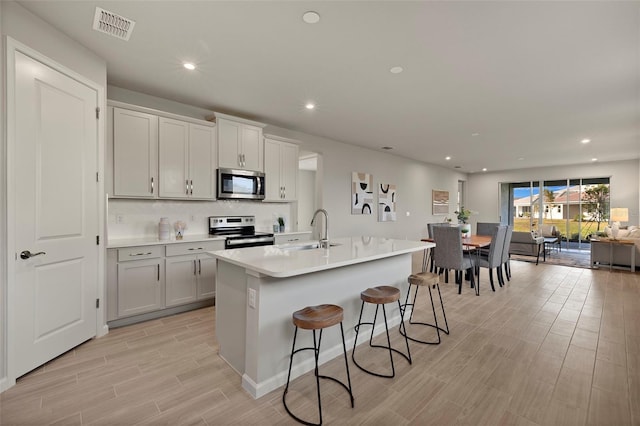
[(152, 184), (140, 254), (198, 248), (186, 184), (199, 267), (191, 190), (158, 272), (194, 267), (240, 160)]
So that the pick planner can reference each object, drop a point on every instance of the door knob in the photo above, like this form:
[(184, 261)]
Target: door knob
[(26, 254)]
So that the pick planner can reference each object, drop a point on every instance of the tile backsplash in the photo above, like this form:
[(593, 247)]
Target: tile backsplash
[(139, 218)]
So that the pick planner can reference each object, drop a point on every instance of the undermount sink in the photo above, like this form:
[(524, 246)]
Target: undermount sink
[(306, 246)]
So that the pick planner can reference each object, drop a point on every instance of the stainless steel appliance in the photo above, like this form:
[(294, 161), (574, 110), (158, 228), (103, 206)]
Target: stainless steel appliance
[(240, 184), (239, 230)]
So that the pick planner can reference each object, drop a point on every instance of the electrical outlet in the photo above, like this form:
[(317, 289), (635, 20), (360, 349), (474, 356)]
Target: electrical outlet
[(119, 219), (252, 298)]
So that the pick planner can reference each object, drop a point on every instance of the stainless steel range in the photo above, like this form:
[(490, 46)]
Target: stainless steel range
[(239, 230)]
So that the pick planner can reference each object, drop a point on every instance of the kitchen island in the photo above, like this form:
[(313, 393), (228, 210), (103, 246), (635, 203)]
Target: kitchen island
[(259, 288)]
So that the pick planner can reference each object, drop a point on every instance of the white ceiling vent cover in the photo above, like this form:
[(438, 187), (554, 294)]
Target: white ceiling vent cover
[(113, 24)]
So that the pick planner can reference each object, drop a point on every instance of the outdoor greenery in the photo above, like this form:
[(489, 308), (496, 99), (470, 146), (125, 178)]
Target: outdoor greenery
[(596, 203), (588, 228)]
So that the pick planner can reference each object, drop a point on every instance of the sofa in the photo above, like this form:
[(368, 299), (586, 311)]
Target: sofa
[(527, 244), (621, 256)]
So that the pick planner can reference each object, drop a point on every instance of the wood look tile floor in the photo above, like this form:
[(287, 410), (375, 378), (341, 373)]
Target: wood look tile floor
[(556, 346)]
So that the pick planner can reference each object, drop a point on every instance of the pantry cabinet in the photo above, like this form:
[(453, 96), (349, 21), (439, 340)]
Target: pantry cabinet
[(186, 160), (240, 143), (281, 169)]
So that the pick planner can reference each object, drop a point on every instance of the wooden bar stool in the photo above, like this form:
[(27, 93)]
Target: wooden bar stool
[(429, 280), (317, 318), (380, 296)]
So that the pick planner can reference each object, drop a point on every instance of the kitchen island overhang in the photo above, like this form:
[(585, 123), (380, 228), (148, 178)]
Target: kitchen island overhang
[(259, 288)]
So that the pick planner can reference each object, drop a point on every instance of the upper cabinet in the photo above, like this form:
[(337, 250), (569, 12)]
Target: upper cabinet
[(280, 169), (239, 143), (159, 155), (186, 160), (135, 154)]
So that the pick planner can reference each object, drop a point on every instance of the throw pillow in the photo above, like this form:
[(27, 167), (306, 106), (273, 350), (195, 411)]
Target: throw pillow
[(635, 233)]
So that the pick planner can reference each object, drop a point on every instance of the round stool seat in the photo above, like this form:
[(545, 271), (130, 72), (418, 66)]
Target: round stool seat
[(318, 317), (424, 278), (380, 295)]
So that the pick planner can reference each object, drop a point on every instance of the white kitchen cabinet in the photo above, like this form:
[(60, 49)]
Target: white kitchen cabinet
[(151, 281), (140, 286), (281, 169), (190, 274), (240, 143), (135, 153), (186, 160)]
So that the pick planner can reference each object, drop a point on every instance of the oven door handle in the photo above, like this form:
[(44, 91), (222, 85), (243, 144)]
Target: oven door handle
[(231, 243)]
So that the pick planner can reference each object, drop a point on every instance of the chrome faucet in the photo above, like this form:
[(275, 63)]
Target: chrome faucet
[(323, 242)]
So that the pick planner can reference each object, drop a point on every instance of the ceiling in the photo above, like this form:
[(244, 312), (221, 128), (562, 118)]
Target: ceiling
[(497, 85)]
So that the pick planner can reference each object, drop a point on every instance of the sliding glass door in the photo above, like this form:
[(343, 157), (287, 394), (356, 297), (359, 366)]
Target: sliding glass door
[(577, 207)]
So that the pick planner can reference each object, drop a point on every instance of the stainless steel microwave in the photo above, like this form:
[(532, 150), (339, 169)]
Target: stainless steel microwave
[(240, 184)]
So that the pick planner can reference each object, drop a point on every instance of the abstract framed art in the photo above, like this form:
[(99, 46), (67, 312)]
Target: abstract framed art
[(440, 201), (361, 193)]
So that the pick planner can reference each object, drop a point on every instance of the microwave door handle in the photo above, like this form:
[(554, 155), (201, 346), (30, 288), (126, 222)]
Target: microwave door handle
[(259, 185)]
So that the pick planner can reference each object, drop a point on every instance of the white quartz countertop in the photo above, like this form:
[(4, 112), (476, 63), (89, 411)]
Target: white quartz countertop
[(288, 260), (153, 241)]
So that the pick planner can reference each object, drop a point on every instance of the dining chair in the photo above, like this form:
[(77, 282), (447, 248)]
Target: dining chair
[(485, 228), (494, 258), (429, 260), (450, 255), (506, 259)]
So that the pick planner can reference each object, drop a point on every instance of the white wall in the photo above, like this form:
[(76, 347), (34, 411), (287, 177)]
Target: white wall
[(306, 198), (19, 24), (483, 195)]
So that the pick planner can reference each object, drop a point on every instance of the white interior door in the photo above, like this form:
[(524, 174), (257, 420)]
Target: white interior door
[(54, 166)]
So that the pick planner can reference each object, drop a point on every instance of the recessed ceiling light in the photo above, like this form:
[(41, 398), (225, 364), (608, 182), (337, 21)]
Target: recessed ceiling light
[(594, 159), (585, 140), (396, 70), (387, 148), (447, 158), (310, 105), (189, 66), (311, 17), (475, 134), (484, 169), (520, 158)]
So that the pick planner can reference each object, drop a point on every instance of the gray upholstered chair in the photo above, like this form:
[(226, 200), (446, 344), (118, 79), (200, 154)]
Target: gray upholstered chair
[(449, 254), (505, 253), (494, 258), (485, 228), (430, 227)]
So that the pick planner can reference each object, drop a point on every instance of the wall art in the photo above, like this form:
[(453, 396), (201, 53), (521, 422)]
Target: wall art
[(361, 193), (386, 202), (440, 201)]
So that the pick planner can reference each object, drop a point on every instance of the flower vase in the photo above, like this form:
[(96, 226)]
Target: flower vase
[(466, 229)]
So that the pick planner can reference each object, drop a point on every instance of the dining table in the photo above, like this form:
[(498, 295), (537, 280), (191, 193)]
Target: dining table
[(472, 243)]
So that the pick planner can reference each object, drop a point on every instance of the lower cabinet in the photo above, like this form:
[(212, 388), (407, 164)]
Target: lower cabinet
[(146, 279), (140, 286)]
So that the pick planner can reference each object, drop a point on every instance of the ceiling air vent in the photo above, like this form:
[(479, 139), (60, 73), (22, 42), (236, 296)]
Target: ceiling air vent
[(113, 24)]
